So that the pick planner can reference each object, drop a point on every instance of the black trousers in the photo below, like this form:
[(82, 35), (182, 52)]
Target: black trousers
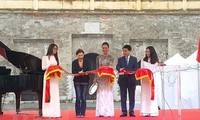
[(127, 83)]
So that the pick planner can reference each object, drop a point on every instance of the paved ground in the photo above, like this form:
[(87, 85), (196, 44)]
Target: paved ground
[(33, 105)]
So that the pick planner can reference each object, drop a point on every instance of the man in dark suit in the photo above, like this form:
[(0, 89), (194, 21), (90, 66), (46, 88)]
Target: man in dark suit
[(127, 81)]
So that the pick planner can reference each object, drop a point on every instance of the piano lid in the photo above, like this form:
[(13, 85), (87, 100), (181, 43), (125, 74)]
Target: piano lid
[(27, 63), (4, 46)]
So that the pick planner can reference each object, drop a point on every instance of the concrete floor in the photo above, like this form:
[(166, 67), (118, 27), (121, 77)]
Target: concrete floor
[(33, 105)]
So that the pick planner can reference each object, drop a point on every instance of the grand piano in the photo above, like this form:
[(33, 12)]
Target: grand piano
[(30, 77)]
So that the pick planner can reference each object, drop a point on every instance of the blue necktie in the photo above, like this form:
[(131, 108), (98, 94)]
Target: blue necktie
[(127, 61)]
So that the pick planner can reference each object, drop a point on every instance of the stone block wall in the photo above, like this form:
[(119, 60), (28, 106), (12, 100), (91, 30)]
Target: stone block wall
[(18, 31)]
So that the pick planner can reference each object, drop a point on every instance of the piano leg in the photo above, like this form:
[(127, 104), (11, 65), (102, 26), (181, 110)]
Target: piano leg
[(1, 113), (17, 94), (40, 103)]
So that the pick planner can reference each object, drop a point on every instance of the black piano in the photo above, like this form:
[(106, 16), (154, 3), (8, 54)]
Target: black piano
[(30, 77)]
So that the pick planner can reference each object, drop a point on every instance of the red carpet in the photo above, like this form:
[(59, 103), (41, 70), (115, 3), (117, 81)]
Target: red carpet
[(90, 115)]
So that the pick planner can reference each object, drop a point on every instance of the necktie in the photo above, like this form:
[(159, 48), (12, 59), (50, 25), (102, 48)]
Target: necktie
[(127, 61)]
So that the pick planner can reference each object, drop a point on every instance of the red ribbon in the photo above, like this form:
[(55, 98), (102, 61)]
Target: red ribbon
[(3, 52), (102, 71), (109, 71), (51, 72), (124, 71), (146, 73)]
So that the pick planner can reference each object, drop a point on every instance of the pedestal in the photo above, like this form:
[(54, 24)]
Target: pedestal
[(170, 92)]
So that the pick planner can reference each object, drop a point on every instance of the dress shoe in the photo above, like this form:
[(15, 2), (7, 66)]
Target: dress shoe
[(123, 115), (132, 115), (78, 116), (147, 115)]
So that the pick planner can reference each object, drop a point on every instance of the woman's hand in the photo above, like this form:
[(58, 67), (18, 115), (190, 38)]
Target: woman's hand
[(95, 81), (66, 72), (81, 71), (121, 69), (86, 73)]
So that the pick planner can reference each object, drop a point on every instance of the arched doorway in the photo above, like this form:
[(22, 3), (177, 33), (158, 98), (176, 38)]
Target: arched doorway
[(91, 58)]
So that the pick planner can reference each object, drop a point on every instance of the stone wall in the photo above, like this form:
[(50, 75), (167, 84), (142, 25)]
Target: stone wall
[(177, 32)]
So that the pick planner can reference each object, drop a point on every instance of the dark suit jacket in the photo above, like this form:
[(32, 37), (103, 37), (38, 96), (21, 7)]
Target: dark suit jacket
[(132, 66), (76, 69)]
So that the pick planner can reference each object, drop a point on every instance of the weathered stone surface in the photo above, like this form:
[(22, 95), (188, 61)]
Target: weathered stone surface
[(33, 32)]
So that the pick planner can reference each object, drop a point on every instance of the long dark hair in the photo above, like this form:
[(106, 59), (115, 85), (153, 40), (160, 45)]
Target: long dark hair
[(105, 43), (50, 51), (153, 55)]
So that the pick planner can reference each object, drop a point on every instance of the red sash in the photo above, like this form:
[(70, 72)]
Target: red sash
[(146, 73), (50, 72), (107, 71)]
